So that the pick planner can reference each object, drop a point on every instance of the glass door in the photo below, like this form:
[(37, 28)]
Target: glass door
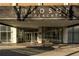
[(30, 36)]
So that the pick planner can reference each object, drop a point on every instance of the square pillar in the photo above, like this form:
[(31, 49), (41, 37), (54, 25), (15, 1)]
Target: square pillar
[(32, 37), (13, 35), (39, 36)]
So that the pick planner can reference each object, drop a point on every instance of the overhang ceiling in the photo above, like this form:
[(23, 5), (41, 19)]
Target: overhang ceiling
[(35, 23)]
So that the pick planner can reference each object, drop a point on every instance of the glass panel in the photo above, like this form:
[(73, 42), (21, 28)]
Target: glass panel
[(0, 27), (3, 36), (8, 28), (5, 33), (70, 37), (76, 35), (28, 37), (3, 28), (35, 36)]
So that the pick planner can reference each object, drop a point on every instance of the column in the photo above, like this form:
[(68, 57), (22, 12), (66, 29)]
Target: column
[(39, 36), (65, 35), (13, 35), (32, 37)]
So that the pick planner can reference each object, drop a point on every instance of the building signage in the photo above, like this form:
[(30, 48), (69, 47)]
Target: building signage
[(39, 12), (46, 12)]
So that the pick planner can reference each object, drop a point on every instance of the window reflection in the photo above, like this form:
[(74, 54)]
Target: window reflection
[(5, 33)]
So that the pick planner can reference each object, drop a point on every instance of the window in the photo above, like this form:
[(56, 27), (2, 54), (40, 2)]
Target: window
[(5, 33)]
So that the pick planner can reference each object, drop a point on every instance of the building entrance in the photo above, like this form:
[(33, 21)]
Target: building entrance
[(25, 35), (30, 36)]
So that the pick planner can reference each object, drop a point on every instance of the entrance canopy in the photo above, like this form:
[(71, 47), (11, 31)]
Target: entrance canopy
[(41, 16), (35, 23)]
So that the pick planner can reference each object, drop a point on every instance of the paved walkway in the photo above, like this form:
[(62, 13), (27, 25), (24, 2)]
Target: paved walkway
[(11, 46), (62, 51), (18, 45), (59, 50)]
